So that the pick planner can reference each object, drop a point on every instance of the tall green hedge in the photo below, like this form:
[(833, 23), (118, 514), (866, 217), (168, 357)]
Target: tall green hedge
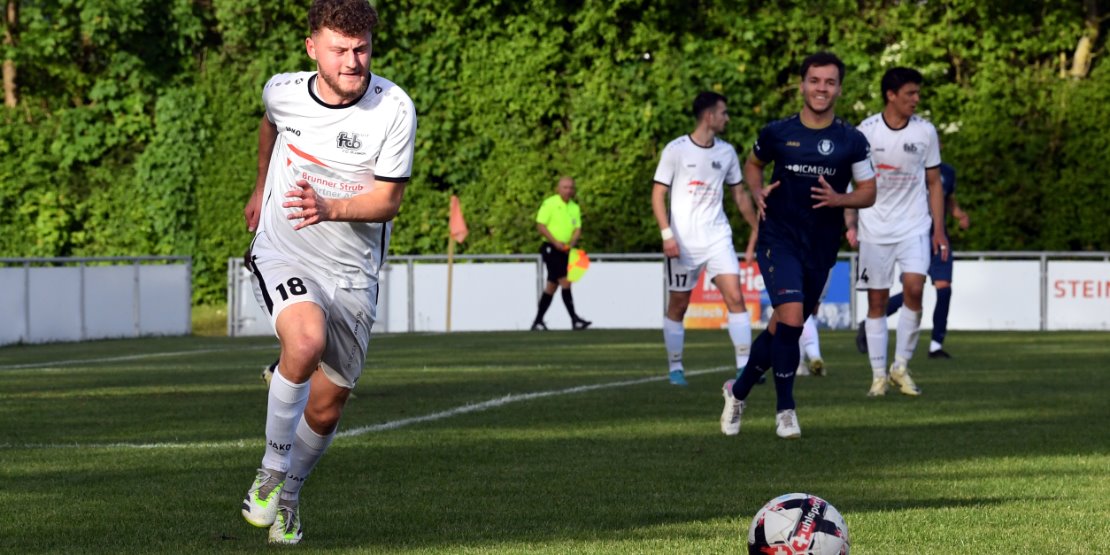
[(136, 131)]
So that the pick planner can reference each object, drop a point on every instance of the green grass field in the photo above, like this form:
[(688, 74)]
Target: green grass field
[(147, 446)]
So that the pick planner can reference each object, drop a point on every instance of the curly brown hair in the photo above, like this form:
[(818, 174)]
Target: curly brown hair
[(352, 18)]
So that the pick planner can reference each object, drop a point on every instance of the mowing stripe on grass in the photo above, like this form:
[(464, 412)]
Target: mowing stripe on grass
[(502, 401), (383, 427), (71, 362)]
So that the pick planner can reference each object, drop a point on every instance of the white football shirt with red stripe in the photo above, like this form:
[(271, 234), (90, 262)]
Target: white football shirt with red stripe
[(900, 157), (340, 151), (697, 177)]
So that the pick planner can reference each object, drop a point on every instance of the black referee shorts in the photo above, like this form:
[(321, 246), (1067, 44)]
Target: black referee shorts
[(556, 262)]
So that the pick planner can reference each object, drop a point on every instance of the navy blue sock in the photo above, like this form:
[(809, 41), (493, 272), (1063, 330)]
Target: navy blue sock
[(940, 314), (759, 360), (784, 359), (893, 304)]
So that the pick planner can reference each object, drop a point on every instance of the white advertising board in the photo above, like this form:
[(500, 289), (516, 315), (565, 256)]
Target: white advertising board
[(986, 295), (1078, 295)]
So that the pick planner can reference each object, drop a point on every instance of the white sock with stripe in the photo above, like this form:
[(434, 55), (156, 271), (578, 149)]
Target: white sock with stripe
[(284, 407), (308, 449), (674, 335), (740, 331), (877, 338), (909, 329)]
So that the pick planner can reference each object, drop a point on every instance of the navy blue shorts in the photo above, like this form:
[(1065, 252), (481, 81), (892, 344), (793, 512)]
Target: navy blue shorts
[(787, 279), (940, 270)]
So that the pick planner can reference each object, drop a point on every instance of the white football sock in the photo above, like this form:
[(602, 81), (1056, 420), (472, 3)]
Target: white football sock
[(740, 331), (284, 407), (909, 328), (674, 335), (876, 345), (934, 346), (308, 448), (810, 342)]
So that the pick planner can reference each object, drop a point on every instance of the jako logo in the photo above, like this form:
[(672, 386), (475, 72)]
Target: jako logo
[(345, 140), (296, 132), (283, 447)]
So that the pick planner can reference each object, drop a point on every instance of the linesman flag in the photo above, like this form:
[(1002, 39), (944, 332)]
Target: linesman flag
[(457, 225)]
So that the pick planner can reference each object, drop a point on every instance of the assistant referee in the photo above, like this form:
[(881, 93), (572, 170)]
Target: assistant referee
[(559, 221)]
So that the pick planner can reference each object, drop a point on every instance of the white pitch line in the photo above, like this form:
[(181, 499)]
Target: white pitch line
[(383, 427), (130, 357), (502, 401)]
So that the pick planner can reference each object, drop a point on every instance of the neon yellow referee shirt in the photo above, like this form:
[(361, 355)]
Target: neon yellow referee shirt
[(560, 218)]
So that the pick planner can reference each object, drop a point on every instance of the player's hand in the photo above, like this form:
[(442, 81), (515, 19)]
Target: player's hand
[(940, 245), (253, 209), (670, 248), (313, 207), (825, 195), (853, 237), (761, 198), (749, 255), (963, 219), (565, 247)]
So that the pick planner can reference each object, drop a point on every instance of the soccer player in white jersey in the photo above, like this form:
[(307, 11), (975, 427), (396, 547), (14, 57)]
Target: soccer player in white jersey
[(895, 230), (335, 153), (695, 169)]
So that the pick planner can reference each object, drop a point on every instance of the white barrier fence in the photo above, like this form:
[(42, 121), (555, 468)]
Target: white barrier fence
[(991, 291), (75, 299)]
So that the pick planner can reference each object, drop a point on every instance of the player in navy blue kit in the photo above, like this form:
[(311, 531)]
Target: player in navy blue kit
[(816, 155)]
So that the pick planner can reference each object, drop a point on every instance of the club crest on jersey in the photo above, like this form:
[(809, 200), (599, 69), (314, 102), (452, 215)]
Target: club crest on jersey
[(825, 146), (913, 148), (716, 165), (347, 141)]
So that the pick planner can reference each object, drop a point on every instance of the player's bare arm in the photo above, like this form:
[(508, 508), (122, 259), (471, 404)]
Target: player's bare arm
[(936, 210), (961, 216), (379, 204), (659, 208), (862, 196), (267, 136), (851, 221), (753, 176), (744, 202)]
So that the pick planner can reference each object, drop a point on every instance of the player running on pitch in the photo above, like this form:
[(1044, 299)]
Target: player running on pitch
[(816, 155), (694, 170), (910, 198), (335, 153)]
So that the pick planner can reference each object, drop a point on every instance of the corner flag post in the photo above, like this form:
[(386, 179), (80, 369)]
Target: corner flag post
[(457, 231)]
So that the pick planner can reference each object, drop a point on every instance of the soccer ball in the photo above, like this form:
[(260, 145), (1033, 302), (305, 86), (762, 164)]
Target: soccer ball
[(798, 524)]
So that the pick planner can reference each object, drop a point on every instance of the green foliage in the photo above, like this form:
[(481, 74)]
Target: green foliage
[(137, 129)]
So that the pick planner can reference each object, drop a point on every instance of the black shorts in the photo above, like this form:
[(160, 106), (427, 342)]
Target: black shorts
[(556, 262)]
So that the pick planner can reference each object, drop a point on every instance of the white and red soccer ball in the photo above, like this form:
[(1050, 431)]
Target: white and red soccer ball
[(798, 524)]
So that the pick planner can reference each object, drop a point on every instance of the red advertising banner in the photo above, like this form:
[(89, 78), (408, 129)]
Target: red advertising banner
[(707, 308)]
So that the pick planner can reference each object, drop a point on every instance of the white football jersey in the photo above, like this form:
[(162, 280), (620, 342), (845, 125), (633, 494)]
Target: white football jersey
[(697, 177), (340, 151), (901, 157)]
